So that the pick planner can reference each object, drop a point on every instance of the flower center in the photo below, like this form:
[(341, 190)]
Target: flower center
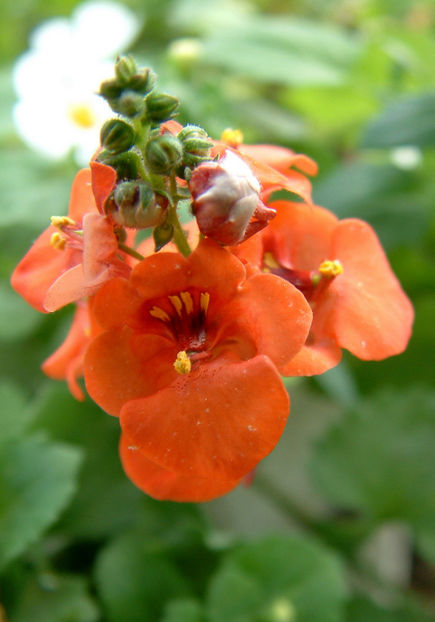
[(309, 282), (185, 315), (82, 115)]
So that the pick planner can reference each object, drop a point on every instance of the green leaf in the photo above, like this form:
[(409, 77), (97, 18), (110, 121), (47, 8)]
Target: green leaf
[(282, 50), (183, 610), (106, 501), (381, 194), (15, 413), (32, 189), (363, 610), (37, 479), (52, 598), (378, 460), (274, 580), (408, 121), (134, 581), (17, 318)]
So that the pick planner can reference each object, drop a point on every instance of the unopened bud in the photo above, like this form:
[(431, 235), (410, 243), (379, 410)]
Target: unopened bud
[(196, 143), (164, 153), (134, 205), (125, 68), (162, 235), (110, 89), (117, 136), (126, 164), (129, 104), (161, 107), (226, 200), (143, 81)]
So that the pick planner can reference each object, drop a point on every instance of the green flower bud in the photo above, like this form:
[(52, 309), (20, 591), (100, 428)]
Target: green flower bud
[(162, 235), (134, 205), (161, 107), (117, 136), (125, 68), (163, 154), (143, 81), (196, 143), (129, 104), (110, 89), (126, 164)]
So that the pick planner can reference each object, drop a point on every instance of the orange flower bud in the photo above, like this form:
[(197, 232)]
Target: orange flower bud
[(226, 200)]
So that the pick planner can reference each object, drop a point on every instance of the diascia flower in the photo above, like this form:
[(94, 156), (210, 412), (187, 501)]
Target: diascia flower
[(77, 253), (190, 359), (341, 268)]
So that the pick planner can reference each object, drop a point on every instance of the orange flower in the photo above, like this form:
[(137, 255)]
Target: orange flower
[(190, 360), (342, 270), (66, 363), (77, 253)]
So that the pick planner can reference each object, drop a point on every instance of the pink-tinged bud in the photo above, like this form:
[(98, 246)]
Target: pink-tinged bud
[(226, 200)]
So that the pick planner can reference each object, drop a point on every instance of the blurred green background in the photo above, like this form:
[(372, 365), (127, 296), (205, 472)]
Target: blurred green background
[(339, 524)]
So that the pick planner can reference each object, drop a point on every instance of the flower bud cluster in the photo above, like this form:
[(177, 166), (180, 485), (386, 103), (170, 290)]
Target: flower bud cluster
[(147, 153)]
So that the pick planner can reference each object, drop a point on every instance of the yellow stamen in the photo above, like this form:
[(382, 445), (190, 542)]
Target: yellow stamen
[(188, 302), (270, 261), (176, 303), (158, 313), (82, 115), (62, 221), (331, 268), (204, 301), (57, 241), (182, 363), (233, 138)]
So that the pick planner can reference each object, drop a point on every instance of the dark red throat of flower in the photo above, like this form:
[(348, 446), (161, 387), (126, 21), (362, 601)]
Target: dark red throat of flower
[(184, 314)]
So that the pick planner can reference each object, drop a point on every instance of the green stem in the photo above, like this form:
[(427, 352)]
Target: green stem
[(141, 139), (130, 251), (179, 235)]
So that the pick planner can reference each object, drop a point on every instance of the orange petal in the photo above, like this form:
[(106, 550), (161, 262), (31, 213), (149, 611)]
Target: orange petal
[(373, 316), (66, 361), (163, 484), (121, 366), (313, 359), (209, 268), (218, 421), (99, 253), (82, 198), (115, 303), (103, 182), (69, 287), (272, 179), (40, 267), (300, 235), (280, 158), (273, 313)]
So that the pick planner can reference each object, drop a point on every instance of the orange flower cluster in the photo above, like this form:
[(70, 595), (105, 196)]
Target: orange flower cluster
[(188, 350)]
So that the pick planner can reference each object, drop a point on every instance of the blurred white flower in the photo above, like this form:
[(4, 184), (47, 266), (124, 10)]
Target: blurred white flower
[(406, 157), (56, 80)]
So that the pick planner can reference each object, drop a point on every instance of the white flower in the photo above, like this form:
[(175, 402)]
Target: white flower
[(407, 157), (57, 79)]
